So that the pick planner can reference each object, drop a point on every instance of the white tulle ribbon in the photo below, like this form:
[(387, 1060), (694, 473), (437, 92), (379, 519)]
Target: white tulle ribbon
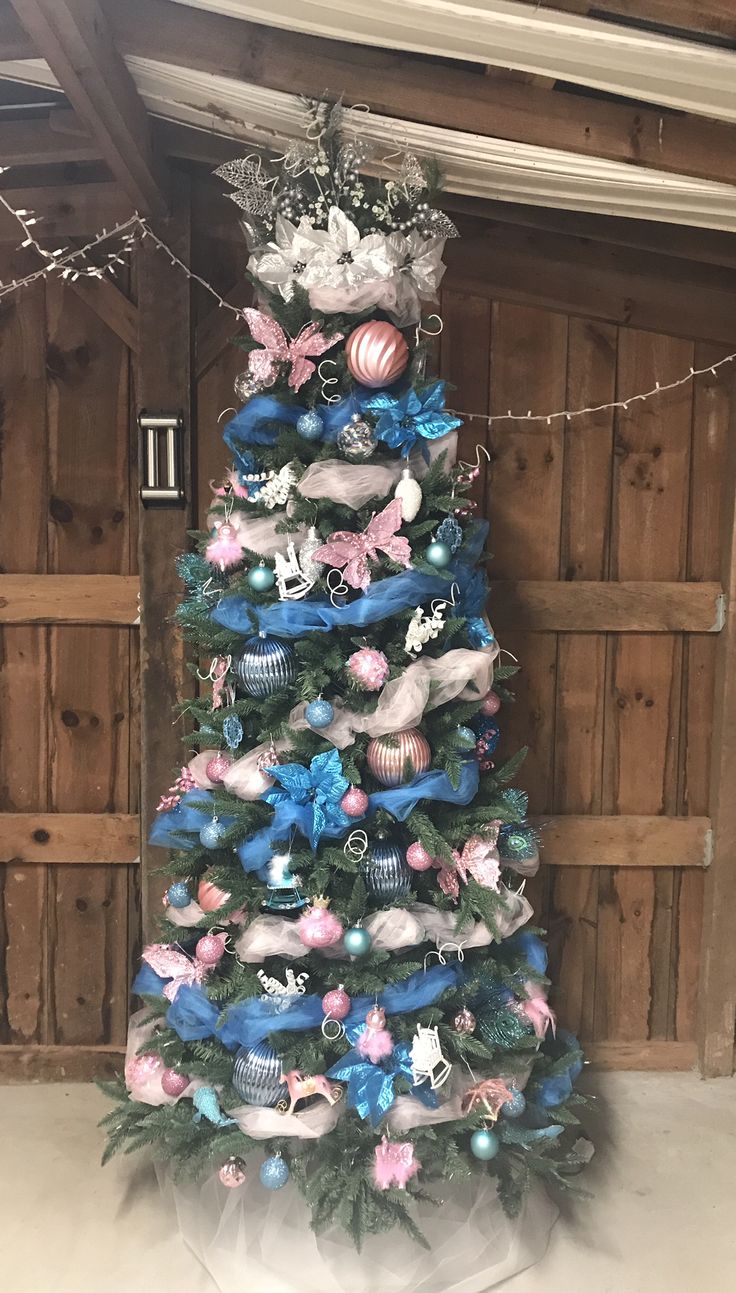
[(458, 675), (142, 1084), (263, 1124), (185, 917), (244, 777), (354, 483)]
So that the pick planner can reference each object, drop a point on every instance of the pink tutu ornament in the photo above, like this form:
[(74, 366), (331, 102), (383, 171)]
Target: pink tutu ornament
[(369, 668), (319, 927), (224, 549), (375, 1042)]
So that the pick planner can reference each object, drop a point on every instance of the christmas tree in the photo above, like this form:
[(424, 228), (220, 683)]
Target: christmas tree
[(347, 992)]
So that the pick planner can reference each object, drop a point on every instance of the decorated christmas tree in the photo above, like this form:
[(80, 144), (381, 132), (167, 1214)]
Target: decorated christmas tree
[(347, 999)]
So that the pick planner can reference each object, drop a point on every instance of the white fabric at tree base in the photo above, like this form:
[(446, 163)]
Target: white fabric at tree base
[(252, 1238)]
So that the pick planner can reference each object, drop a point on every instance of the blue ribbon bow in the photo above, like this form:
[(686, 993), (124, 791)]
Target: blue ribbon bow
[(309, 798), (371, 1086)]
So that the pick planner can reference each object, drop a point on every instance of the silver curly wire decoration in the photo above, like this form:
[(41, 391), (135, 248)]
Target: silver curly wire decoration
[(328, 381), (356, 845), (336, 589), (340, 1028), (439, 953), (214, 673)]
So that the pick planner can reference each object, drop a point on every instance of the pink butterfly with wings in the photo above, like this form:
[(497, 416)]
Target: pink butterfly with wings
[(278, 348), (352, 551), (170, 963), (479, 859)]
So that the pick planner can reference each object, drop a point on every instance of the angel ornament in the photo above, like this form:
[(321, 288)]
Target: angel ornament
[(423, 628), (427, 1060)]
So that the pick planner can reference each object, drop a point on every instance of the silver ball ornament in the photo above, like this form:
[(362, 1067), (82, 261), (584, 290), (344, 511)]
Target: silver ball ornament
[(245, 386), (257, 1075), (386, 872), (265, 665), (357, 440)]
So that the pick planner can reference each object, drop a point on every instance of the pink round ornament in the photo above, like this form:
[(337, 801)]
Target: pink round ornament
[(418, 858), (319, 927), (141, 1068), (376, 353), (232, 1173), (210, 897), (369, 668), (354, 802), (217, 768), (490, 704), (173, 1082), (389, 756), (336, 1003), (210, 949)]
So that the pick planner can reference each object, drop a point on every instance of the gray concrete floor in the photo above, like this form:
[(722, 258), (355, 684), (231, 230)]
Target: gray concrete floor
[(661, 1219)]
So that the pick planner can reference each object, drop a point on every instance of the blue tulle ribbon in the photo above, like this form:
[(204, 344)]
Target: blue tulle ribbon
[(548, 1092), (261, 419), (371, 1086)]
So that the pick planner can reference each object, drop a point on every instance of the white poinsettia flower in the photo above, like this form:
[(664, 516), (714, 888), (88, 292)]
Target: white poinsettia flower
[(420, 260), (346, 259), (282, 262)]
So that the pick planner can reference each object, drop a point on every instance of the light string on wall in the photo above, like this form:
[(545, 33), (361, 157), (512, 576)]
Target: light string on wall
[(72, 263)]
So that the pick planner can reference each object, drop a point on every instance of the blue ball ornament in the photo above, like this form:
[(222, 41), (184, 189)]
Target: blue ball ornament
[(309, 425), (438, 554), (319, 713), (178, 894), (274, 1173), (484, 1144), (357, 940), (514, 1107), (211, 834), (265, 665), (261, 578)]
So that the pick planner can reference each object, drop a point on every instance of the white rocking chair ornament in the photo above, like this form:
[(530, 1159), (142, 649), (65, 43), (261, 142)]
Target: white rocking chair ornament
[(291, 580), (427, 1060)]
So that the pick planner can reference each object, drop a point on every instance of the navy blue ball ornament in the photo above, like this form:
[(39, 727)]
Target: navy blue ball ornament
[(309, 425), (261, 578), (357, 941), (514, 1107), (438, 554), (178, 894), (257, 1075), (211, 834), (319, 713), (265, 665), (484, 1144), (274, 1173), (385, 870)]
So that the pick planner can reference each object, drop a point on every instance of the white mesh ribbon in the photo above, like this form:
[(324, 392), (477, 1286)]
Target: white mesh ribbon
[(354, 483), (269, 936), (244, 777), (263, 1124)]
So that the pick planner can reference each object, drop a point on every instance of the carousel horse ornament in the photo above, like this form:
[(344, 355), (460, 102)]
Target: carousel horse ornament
[(301, 1087)]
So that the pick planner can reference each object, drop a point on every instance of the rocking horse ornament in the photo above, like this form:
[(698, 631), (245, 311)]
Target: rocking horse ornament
[(301, 1088)]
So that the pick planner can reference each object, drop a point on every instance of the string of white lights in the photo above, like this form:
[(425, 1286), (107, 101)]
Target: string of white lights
[(71, 263)]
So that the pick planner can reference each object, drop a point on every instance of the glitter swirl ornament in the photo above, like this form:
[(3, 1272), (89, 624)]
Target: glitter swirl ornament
[(319, 713), (265, 665), (369, 668), (376, 354), (357, 440), (211, 833), (246, 386), (257, 1074), (514, 1107), (178, 894), (399, 757), (232, 1173), (309, 426), (385, 870)]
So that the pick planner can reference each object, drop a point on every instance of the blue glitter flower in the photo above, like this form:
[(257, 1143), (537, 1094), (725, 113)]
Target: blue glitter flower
[(403, 420)]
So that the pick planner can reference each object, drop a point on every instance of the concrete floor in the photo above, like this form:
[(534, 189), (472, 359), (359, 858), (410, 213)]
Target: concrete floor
[(661, 1220)]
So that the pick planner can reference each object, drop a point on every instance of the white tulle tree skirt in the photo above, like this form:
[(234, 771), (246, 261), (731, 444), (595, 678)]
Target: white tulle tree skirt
[(252, 1238)]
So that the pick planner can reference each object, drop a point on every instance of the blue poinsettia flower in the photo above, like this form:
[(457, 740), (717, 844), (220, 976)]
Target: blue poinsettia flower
[(317, 790), (403, 420)]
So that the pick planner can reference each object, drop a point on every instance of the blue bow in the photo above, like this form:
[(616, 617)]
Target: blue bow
[(310, 798), (371, 1086)]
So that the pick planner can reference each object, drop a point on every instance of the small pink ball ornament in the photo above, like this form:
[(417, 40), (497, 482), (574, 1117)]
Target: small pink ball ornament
[(232, 1173), (336, 1003), (418, 858), (217, 768), (376, 353), (388, 757), (490, 704), (369, 668), (354, 802), (173, 1082), (210, 949), (319, 927)]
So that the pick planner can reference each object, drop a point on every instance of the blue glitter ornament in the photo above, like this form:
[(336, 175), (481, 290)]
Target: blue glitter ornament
[(386, 872), (319, 713), (438, 554), (357, 941), (451, 533), (514, 1107), (178, 894), (484, 1144), (265, 665), (261, 578), (232, 730), (257, 1075), (211, 834), (309, 425), (465, 737), (274, 1173)]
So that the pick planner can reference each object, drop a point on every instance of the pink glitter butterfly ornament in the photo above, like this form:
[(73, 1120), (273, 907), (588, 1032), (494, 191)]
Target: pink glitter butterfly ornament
[(278, 348), (351, 551)]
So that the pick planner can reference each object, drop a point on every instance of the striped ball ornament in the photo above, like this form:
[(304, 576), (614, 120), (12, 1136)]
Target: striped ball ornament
[(389, 756), (385, 871), (257, 1075), (265, 665), (376, 353)]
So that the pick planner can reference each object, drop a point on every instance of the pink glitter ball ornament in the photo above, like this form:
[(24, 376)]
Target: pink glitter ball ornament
[(418, 858), (210, 949), (376, 353), (354, 802), (173, 1082), (490, 704), (217, 768), (319, 927), (336, 1003), (232, 1173), (369, 668)]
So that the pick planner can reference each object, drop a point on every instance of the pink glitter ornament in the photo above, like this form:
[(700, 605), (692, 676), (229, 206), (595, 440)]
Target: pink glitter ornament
[(490, 704), (376, 354), (395, 1164), (232, 1173), (173, 1082), (319, 927), (369, 668), (224, 549), (217, 768), (209, 897), (336, 1003), (375, 1043), (354, 802), (210, 949), (418, 858)]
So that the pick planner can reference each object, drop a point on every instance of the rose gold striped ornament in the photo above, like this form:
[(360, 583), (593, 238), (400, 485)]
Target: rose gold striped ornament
[(387, 755), (376, 353)]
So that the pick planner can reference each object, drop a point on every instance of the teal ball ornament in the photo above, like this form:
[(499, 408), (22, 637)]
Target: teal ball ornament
[(265, 665), (357, 940), (309, 426), (484, 1144), (178, 894), (438, 554), (274, 1173), (514, 1107), (211, 834), (319, 713), (261, 578)]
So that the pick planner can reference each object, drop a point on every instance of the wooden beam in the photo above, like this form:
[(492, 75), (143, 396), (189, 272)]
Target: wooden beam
[(586, 606), (662, 1057), (717, 988), (68, 210), (689, 18), (69, 599), (111, 305), (218, 328), (412, 87), (625, 841), (59, 1063), (40, 141), (75, 39), (59, 838)]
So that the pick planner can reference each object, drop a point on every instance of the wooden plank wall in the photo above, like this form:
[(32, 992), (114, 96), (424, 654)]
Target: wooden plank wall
[(68, 898)]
